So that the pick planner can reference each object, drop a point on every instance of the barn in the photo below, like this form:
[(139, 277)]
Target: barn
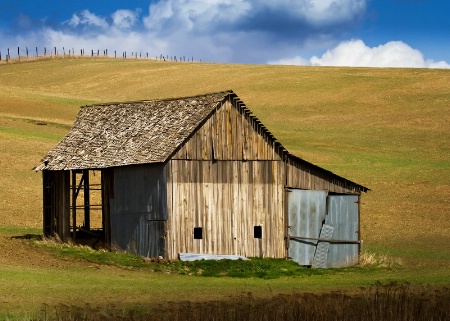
[(195, 175)]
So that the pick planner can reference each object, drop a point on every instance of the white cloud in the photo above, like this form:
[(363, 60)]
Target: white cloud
[(242, 31), (249, 30), (198, 14), (124, 19), (86, 18), (204, 14), (356, 53)]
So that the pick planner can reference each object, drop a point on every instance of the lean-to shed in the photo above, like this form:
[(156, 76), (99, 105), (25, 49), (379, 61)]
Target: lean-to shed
[(196, 175)]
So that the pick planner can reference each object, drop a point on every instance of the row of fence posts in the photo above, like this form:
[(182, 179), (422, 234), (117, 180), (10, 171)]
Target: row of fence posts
[(71, 53)]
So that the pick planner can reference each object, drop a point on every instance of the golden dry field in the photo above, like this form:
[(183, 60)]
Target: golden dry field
[(387, 129)]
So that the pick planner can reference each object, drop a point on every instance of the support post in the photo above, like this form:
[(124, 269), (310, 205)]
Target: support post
[(74, 205), (87, 213)]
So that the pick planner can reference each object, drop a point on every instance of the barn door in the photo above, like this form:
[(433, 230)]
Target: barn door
[(306, 215), (323, 229), (343, 215)]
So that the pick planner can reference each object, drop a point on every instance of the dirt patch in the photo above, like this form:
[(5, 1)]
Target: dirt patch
[(20, 251)]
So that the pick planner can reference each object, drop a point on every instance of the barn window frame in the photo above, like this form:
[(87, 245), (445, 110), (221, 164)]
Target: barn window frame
[(257, 232), (198, 233)]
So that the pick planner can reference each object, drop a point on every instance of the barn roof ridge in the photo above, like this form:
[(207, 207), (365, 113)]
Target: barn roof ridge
[(225, 92)]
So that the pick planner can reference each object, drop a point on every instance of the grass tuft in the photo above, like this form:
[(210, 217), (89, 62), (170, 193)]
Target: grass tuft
[(382, 260)]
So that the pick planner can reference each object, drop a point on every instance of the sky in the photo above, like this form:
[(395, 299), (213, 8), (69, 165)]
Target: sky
[(370, 33)]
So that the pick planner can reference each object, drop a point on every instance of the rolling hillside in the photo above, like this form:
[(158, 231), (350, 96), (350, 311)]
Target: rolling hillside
[(387, 129)]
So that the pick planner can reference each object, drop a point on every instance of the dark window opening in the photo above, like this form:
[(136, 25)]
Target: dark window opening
[(257, 232), (198, 233)]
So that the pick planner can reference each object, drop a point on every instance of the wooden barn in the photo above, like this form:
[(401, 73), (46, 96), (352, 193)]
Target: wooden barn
[(195, 175)]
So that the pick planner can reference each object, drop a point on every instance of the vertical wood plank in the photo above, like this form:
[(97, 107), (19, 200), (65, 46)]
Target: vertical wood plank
[(235, 214), (206, 137), (228, 132), (243, 212), (214, 207), (220, 144), (205, 206)]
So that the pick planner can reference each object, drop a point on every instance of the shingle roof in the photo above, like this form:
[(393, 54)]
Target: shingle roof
[(140, 132), (117, 134)]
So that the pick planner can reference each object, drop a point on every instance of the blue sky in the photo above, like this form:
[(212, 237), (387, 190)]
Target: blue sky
[(392, 33)]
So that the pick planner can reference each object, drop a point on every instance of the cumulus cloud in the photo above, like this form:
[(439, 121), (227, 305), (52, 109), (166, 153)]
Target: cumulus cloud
[(201, 15), (250, 30), (124, 19), (356, 53), (300, 16), (241, 31), (88, 19)]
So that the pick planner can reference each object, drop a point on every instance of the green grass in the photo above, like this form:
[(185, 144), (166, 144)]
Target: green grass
[(386, 129), (265, 268), (268, 268)]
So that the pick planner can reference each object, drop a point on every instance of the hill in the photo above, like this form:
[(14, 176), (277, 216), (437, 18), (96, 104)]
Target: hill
[(383, 128)]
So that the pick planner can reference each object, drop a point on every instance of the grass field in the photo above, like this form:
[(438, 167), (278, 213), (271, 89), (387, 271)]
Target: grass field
[(387, 129)]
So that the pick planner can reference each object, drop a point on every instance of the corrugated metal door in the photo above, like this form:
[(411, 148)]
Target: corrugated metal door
[(323, 229), (306, 214), (343, 215)]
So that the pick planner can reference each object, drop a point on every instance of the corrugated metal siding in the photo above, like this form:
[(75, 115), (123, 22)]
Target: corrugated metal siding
[(321, 255), (227, 199), (138, 211), (343, 215), (306, 211)]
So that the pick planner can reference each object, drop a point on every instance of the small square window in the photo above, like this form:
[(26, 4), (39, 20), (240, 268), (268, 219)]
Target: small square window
[(257, 232), (198, 233)]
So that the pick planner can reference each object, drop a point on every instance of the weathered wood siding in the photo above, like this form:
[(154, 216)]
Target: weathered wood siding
[(303, 175), (230, 177), (231, 133), (138, 210), (227, 179), (226, 199), (56, 204)]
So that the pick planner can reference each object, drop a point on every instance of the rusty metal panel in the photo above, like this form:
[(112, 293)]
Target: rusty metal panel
[(306, 211), (343, 215), (139, 209), (321, 255)]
